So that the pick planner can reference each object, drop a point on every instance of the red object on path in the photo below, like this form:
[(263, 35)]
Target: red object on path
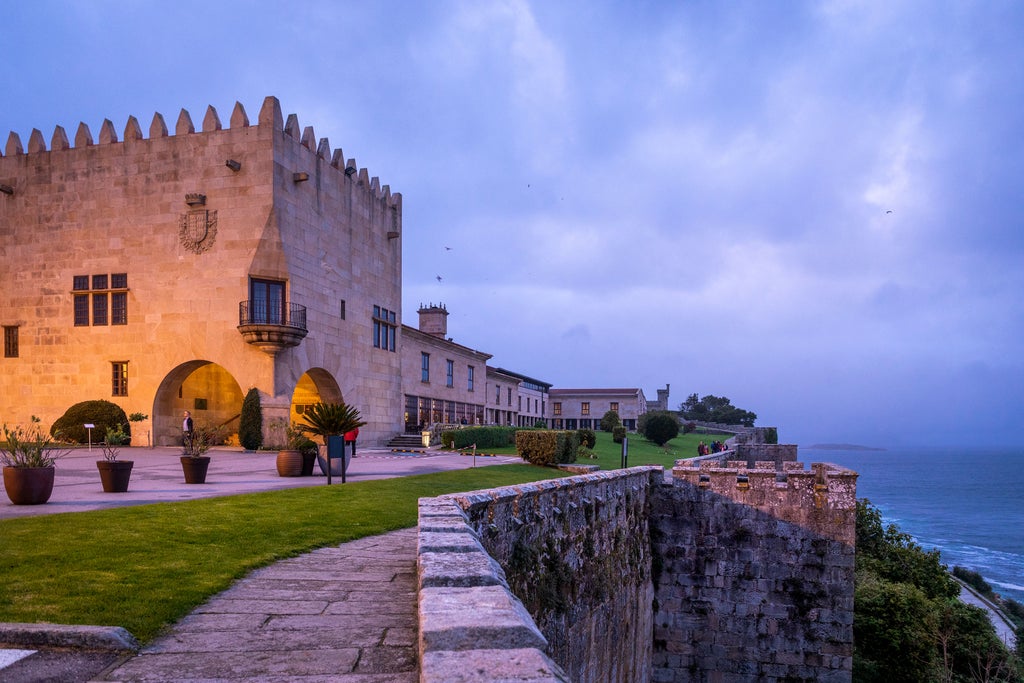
[(353, 435)]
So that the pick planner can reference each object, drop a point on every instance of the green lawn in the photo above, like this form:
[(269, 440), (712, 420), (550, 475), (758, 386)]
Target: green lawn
[(641, 451), (145, 567)]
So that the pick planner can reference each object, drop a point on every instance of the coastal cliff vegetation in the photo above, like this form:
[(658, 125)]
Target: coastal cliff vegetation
[(909, 624)]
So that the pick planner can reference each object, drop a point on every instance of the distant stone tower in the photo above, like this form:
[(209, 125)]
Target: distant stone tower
[(663, 398), (434, 320)]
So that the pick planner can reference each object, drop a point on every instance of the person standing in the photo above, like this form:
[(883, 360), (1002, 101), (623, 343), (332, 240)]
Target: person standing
[(186, 432)]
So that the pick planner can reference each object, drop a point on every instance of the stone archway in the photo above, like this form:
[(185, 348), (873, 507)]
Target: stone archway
[(315, 386), (206, 389)]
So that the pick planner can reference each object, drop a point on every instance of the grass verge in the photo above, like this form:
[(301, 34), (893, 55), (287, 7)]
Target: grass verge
[(641, 451), (147, 566)]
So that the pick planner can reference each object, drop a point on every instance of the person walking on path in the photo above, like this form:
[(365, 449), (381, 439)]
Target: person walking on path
[(186, 432)]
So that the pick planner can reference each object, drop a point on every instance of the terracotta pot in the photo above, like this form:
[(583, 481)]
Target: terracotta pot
[(195, 468), (114, 474), (28, 485), (289, 463)]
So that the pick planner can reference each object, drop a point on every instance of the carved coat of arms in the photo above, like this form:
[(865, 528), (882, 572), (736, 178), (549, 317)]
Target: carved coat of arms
[(197, 230)]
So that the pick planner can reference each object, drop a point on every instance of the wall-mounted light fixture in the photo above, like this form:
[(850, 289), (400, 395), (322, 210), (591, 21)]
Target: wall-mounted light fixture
[(195, 199), (392, 234), (6, 189), (349, 170), (300, 177), (233, 165)]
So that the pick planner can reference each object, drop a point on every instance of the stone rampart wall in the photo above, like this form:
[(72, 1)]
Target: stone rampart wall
[(724, 573), (576, 553), (756, 573)]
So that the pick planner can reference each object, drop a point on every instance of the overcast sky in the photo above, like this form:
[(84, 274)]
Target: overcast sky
[(814, 209)]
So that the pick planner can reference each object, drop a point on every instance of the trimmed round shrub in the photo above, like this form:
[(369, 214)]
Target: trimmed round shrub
[(618, 434), (70, 427), (588, 438), (610, 421), (250, 423), (662, 428)]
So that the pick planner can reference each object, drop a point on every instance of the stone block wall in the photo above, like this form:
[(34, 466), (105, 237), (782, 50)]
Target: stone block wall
[(576, 553), (724, 574), (755, 579)]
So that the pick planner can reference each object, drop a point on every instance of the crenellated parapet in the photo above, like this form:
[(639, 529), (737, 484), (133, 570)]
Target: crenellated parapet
[(822, 499), (270, 116)]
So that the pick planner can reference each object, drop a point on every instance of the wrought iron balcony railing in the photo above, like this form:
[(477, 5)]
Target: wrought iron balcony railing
[(272, 328), (259, 313)]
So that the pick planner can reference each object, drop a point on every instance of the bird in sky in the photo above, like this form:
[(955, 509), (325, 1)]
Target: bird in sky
[(447, 248), (889, 211), (438, 278)]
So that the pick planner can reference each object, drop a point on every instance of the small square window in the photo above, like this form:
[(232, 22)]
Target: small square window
[(119, 281), (80, 283), (99, 281)]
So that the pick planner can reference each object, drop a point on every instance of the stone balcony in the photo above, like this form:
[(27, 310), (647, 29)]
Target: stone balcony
[(272, 328)]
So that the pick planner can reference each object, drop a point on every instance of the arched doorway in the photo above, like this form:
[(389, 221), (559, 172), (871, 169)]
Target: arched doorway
[(315, 386), (202, 387)]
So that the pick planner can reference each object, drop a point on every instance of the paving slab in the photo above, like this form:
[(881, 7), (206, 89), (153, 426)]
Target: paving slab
[(351, 636)]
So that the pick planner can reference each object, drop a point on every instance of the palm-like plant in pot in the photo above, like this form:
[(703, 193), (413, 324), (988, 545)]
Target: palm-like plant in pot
[(28, 455), (114, 473), (331, 421)]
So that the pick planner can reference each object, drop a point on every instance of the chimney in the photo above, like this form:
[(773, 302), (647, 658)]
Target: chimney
[(434, 320)]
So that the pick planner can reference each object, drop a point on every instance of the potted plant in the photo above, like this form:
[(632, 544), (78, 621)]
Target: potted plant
[(114, 473), (28, 456), (194, 461), (291, 461), (331, 421)]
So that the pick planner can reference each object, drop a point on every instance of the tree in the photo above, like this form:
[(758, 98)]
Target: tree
[(712, 408), (610, 421), (662, 428), (250, 425)]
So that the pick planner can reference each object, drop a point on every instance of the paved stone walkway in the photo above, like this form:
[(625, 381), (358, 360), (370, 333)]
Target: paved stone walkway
[(346, 613)]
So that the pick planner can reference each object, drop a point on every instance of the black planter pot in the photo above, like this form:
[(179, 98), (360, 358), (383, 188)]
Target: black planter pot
[(195, 468), (308, 461), (114, 475)]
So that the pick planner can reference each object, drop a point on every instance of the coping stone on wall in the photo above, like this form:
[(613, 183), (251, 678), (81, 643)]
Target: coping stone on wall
[(526, 665)]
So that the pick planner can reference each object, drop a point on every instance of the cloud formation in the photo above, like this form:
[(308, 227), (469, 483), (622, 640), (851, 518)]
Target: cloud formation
[(810, 208)]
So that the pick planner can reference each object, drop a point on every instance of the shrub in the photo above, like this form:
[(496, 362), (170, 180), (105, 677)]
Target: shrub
[(662, 428), (483, 437), (103, 414), (689, 427), (771, 435), (546, 447), (250, 425), (587, 437), (973, 579), (610, 421), (618, 434)]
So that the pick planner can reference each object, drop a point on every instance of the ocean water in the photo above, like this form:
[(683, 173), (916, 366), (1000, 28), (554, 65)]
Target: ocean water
[(969, 504)]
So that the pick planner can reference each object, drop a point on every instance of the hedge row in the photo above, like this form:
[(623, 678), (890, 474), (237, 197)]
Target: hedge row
[(547, 447), (483, 437)]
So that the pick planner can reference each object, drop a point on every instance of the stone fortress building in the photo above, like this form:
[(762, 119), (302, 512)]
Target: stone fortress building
[(174, 272), (169, 272)]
